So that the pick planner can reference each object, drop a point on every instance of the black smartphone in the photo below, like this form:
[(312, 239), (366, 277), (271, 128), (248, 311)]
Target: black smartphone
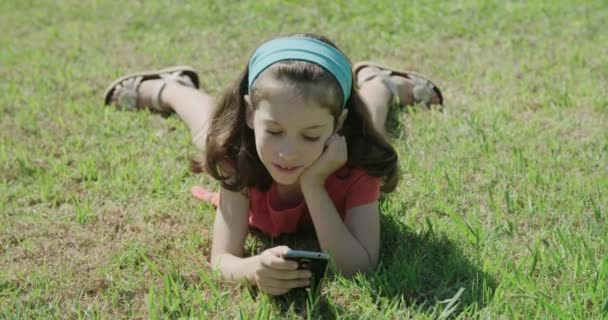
[(314, 261)]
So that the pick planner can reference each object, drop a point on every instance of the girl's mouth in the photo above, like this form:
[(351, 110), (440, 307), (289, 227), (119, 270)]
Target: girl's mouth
[(286, 169)]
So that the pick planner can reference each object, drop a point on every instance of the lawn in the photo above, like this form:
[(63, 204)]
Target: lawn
[(500, 213)]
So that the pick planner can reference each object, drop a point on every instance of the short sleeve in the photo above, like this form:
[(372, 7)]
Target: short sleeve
[(363, 190)]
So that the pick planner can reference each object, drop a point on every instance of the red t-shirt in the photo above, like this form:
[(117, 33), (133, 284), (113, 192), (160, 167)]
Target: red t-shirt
[(345, 191), (347, 188)]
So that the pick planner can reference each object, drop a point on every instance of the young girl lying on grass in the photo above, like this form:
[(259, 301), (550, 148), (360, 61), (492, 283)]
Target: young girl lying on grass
[(293, 142)]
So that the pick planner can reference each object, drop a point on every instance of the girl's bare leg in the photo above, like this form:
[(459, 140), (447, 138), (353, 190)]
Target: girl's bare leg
[(194, 106), (377, 95)]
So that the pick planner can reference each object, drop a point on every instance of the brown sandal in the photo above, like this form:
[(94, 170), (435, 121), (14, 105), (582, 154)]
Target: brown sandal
[(423, 88), (128, 85)]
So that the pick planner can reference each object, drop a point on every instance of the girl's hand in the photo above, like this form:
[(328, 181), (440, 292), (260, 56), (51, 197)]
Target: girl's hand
[(275, 275), (333, 157)]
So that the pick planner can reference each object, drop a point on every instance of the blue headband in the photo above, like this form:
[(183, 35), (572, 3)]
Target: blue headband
[(304, 49)]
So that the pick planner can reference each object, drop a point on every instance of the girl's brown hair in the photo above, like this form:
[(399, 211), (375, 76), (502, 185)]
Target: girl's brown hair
[(231, 155)]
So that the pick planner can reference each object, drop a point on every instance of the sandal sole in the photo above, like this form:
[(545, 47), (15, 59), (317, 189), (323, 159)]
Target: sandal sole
[(149, 75), (406, 74)]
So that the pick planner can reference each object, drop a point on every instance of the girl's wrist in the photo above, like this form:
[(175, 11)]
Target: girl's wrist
[(311, 188), (251, 267), (311, 181)]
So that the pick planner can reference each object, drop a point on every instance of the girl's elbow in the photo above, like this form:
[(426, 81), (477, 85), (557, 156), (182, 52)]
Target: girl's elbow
[(216, 261), (362, 268), (368, 268)]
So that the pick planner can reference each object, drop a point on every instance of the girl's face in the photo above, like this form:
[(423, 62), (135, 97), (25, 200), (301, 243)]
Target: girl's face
[(290, 133)]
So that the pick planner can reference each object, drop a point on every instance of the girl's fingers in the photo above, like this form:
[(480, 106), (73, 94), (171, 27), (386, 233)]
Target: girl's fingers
[(284, 274), (273, 258), (283, 284), (336, 139), (331, 139), (279, 263), (279, 251)]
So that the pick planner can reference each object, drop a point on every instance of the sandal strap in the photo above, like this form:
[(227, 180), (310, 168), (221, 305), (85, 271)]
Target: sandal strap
[(385, 76), (179, 77), (423, 88), (156, 98), (176, 76)]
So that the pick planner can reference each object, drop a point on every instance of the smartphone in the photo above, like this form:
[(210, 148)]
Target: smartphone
[(314, 261)]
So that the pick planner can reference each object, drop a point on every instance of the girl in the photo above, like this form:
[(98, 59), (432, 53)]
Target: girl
[(293, 143)]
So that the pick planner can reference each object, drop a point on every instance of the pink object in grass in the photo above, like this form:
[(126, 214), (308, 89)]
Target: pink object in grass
[(205, 195)]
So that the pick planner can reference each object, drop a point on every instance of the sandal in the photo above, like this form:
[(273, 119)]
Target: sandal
[(423, 87), (128, 85)]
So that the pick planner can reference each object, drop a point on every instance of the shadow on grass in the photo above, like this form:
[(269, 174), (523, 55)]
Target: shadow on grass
[(424, 268), (418, 269)]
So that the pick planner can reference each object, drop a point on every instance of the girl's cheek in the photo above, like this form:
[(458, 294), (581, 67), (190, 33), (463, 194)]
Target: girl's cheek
[(263, 146), (320, 149)]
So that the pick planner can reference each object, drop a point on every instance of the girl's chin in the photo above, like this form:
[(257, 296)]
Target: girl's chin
[(286, 180)]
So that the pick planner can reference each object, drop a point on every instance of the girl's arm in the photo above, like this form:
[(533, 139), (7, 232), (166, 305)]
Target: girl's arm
[(354, 243), (229, 232), (268, 270)]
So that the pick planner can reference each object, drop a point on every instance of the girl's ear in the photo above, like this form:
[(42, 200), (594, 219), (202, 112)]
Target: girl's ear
[(341, 120), (248, 111)]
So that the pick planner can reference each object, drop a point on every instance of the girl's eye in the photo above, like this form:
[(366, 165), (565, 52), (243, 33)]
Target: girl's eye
[(276, 133), (312, 139)]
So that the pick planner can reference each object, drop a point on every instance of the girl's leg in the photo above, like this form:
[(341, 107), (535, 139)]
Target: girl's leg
[(378, 96), (194, 106)]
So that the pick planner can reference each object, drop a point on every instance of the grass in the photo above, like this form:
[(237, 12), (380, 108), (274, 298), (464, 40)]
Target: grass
[(501, 211)]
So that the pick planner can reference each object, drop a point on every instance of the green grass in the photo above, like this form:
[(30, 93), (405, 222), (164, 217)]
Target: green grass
[(501, 211)]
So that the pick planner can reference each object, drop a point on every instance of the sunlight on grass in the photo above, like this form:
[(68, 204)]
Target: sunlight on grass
[(501, 211)]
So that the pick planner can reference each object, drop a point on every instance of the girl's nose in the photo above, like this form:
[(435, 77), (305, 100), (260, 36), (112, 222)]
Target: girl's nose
[(288, 151), (287, 157)]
